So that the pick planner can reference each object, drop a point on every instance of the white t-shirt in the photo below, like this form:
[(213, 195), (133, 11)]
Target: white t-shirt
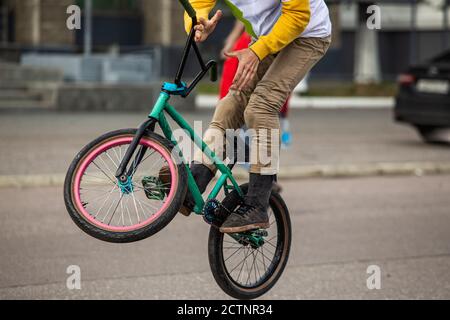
[(262, 15)]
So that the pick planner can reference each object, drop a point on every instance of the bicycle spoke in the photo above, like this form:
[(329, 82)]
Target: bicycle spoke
[(249, 271), (96, 177), (122, 214), (95, 164), (119, 160), (135, 206), (116, 165), (128, 211), (157, 162), (255, 262), (94, 190), (245, 257), (107, 212), (269, 242), (117, 206), (242, 268), (263, 256), (151, 188), (148, 205), (140, 204), (104, 163), (268, 248), (152, 153), (266, 256), (109, 195), (120, 154), (234, 253), (99, 197)]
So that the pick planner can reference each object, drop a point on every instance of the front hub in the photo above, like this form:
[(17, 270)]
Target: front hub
[(127, 186)]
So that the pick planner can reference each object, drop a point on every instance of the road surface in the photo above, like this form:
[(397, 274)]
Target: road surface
[(340, 227)]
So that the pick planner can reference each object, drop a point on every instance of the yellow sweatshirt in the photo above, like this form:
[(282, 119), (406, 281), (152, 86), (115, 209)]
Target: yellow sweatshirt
[(273, 23)]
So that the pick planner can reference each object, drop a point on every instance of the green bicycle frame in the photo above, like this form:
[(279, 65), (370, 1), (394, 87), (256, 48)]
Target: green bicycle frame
[(158, 113)]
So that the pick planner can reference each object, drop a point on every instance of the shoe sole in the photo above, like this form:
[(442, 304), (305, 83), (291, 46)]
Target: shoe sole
[(185, 211), (249, 227)]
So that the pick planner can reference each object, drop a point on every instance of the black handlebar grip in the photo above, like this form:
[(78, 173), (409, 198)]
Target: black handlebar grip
[(213, 72), (187, 6)]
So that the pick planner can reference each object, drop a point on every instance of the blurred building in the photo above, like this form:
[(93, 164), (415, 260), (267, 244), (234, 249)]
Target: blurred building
[(412, 30), (35, 23), (42, 23)]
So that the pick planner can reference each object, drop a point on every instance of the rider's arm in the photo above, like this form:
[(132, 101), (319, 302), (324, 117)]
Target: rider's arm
[(202, 7), (291, 24)]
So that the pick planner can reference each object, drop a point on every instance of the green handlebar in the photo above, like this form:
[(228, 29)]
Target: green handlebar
[(187, 6)]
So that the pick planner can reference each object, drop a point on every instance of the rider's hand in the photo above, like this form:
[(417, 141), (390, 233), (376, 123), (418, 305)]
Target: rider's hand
[(248, 66), (228, 46), (205, 27)]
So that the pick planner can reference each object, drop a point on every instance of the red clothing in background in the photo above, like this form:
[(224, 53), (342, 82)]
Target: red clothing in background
[(230, 67)]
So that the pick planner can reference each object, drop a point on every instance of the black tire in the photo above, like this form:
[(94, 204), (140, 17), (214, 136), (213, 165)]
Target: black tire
[(139, 234), (432, 134), (215, 250)]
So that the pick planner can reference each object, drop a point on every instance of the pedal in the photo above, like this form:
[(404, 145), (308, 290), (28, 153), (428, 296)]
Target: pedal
[(153, 188), (261, 233)]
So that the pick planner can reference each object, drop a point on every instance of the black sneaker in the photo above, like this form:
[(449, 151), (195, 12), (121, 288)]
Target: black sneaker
[(246, 218), (165, 178), (202, 176)]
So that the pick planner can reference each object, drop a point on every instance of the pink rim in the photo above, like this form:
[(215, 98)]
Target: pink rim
[(110, 144)]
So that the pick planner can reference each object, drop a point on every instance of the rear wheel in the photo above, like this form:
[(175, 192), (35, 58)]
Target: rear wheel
[(116, 211), (248, 265)]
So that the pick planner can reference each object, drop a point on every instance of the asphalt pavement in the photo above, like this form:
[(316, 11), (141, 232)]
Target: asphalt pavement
[(45, 143), (341, 226)]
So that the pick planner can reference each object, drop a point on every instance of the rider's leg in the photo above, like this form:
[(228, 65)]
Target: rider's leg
[(261, 115), (202, 176), (229, 114)]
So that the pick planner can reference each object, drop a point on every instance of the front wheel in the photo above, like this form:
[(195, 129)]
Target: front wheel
[(248, 265), (120, 212)]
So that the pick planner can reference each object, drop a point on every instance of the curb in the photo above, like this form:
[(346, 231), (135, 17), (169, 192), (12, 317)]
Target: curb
[(29, 181), (210, 102), (286, 173)]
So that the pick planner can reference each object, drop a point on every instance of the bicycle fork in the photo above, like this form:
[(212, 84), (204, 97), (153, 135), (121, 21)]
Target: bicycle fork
[(123, 177)]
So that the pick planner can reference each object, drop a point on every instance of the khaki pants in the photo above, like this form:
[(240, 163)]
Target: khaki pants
[(258, 106)]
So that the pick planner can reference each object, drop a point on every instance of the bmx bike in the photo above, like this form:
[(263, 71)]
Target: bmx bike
[(113, 191)]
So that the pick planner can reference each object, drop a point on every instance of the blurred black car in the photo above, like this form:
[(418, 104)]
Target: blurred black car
[(424, 98)]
